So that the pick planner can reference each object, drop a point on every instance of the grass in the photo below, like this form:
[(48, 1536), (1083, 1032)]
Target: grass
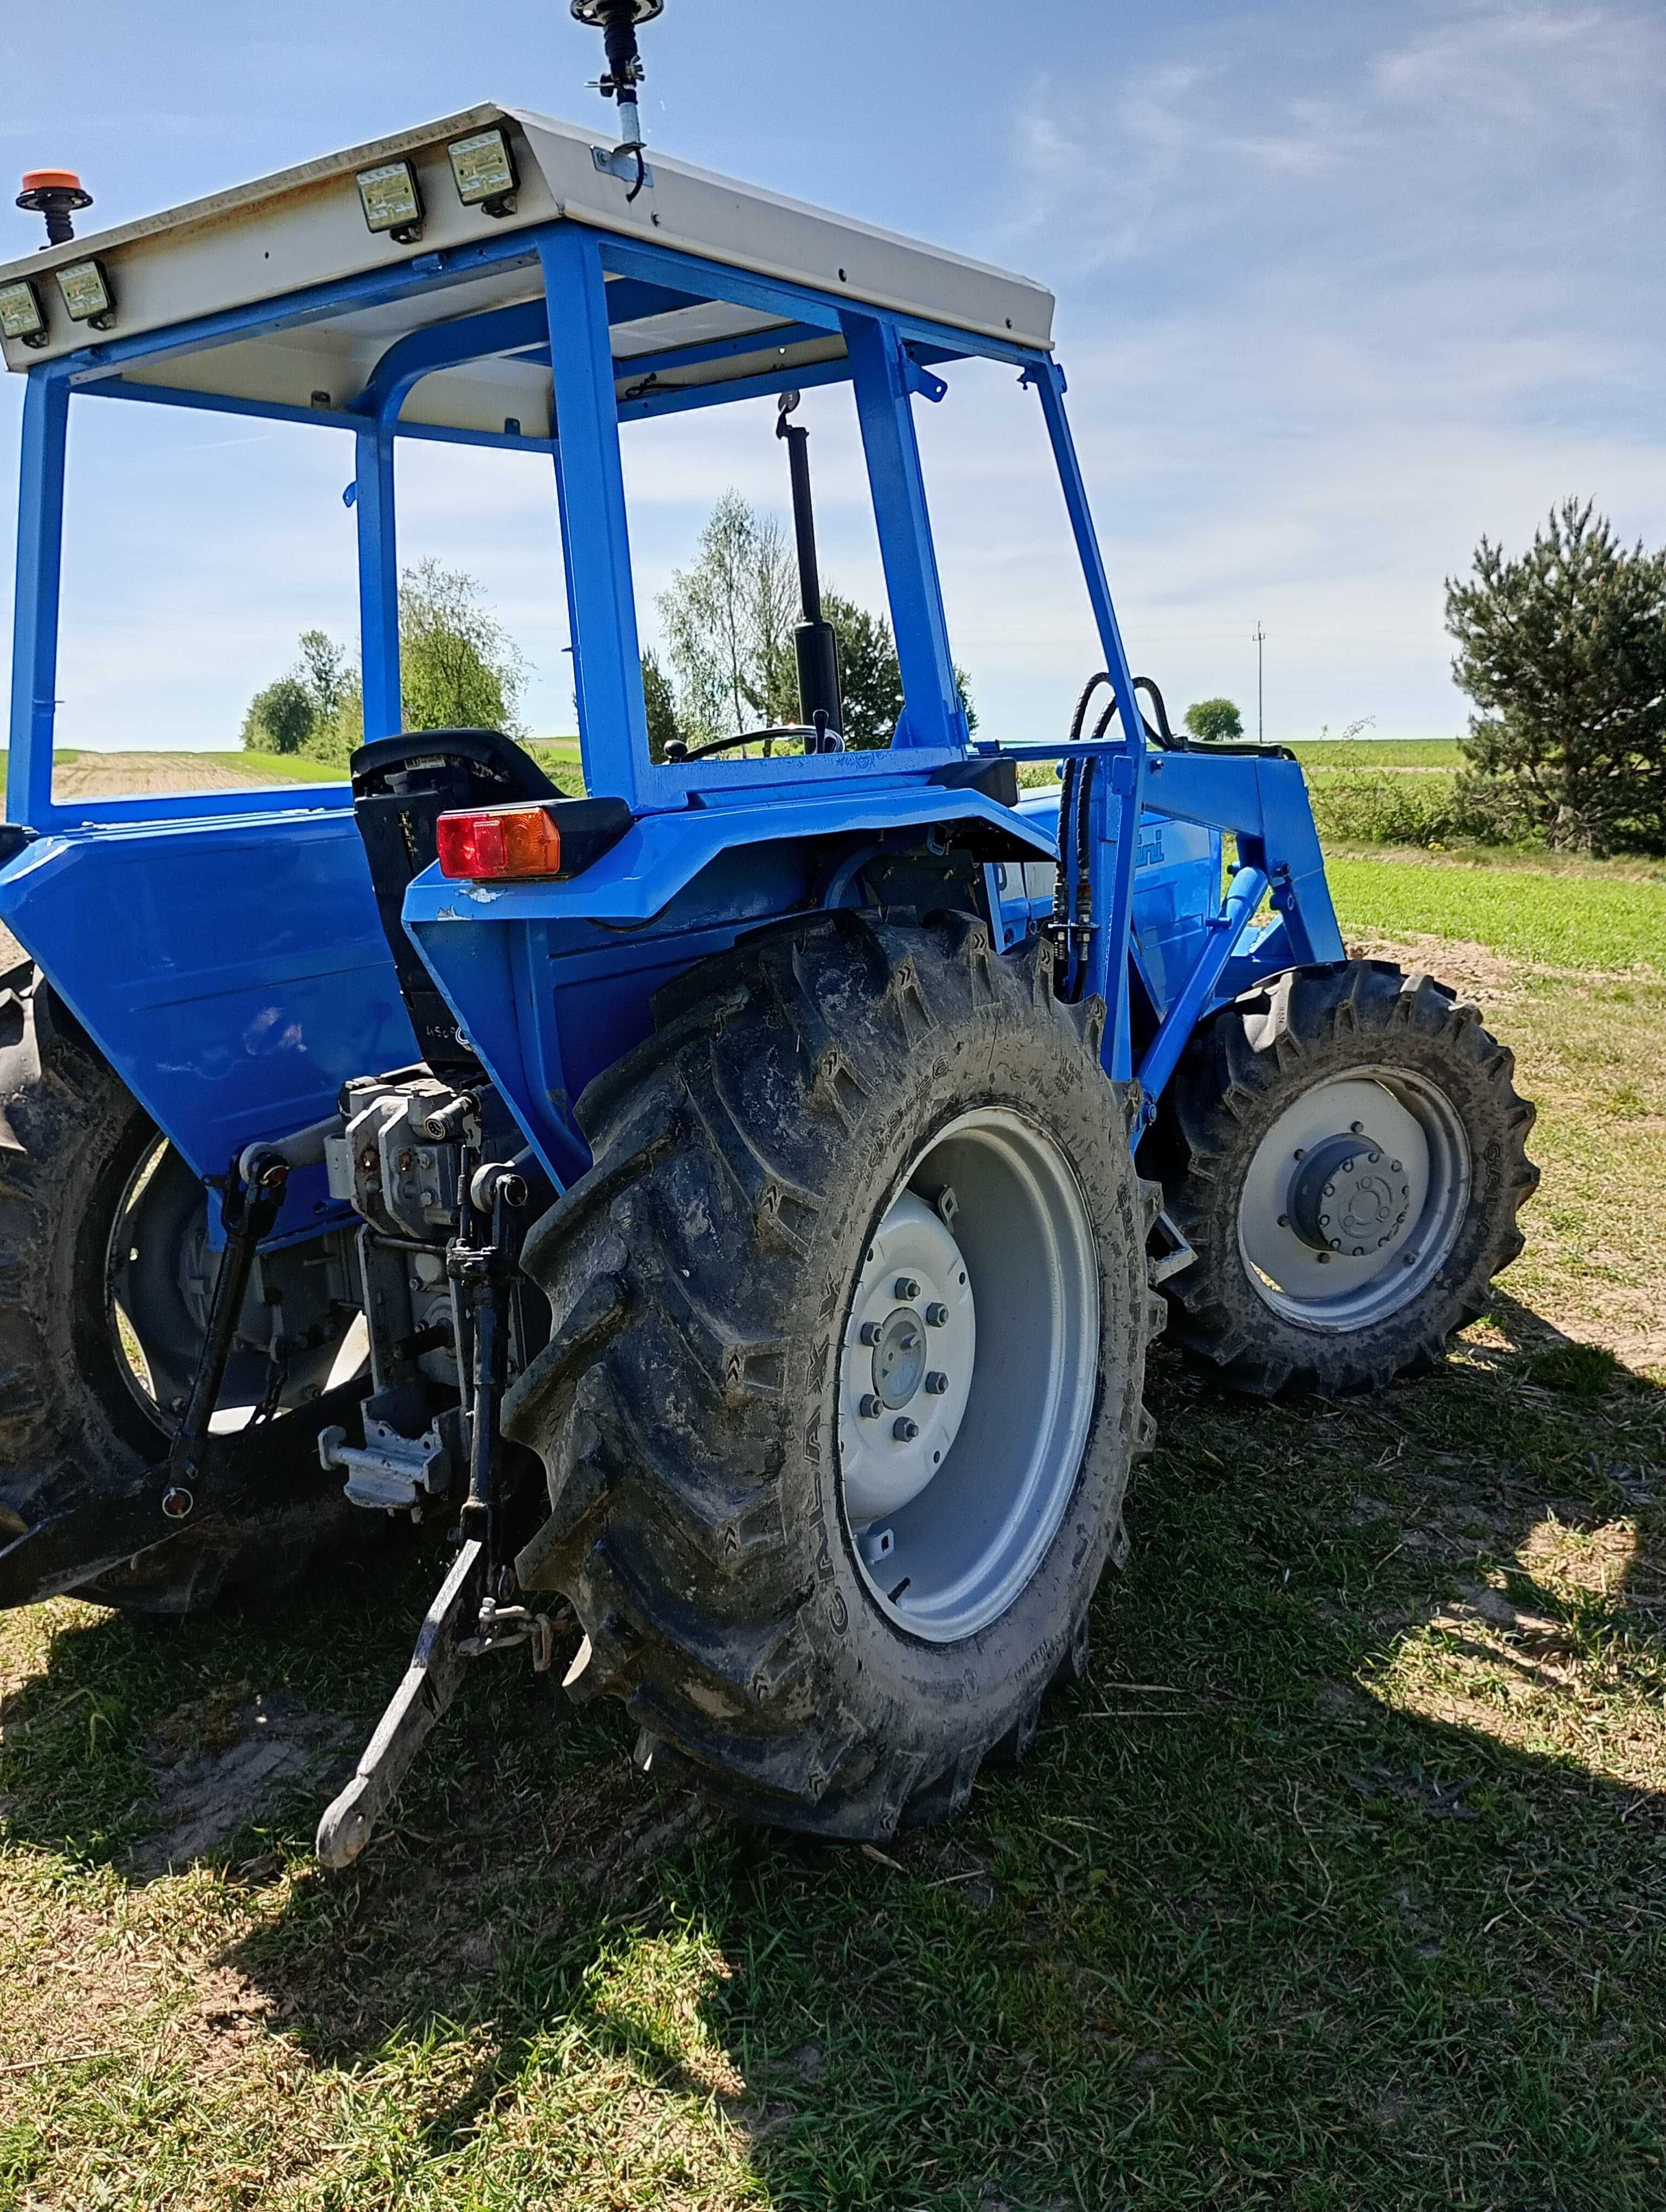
[(1378, 752), (1563, 920), (1340, 1884)]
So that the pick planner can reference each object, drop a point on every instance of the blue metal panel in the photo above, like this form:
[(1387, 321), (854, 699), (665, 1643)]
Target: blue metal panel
[(39, 568), (234, 973), (884, 407), (607, 656), (1264, 802), (379, 581)]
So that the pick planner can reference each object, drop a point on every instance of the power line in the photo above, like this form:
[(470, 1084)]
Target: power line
[(1261, 716)]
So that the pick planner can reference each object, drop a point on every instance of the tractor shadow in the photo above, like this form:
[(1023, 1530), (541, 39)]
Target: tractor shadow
[(1351, 1756)]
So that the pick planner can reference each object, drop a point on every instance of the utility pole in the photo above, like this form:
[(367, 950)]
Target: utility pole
[(1260, 717)]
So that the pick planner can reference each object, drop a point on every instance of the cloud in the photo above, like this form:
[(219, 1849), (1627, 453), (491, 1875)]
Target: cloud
[(1336, 297)]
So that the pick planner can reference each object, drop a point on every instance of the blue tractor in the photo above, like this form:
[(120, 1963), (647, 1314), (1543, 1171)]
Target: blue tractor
[(736, 1204)]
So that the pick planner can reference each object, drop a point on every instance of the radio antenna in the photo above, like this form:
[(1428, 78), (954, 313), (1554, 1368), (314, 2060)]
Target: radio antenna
[(616, 21)]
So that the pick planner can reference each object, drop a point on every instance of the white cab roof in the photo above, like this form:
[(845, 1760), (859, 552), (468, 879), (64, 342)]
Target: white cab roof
[(305, 227)]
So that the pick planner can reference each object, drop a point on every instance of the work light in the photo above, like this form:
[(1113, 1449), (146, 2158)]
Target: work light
[(484, 169), (21, 315), (87, 297), (392, 201)]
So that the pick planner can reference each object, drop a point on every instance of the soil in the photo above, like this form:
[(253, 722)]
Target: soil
[(220, 1761)]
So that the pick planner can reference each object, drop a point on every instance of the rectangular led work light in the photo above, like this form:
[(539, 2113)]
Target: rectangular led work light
[(87, 297), (484, 170), (392, 201), (21, 315)]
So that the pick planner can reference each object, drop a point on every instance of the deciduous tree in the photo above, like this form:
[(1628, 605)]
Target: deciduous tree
[(1215, 720)]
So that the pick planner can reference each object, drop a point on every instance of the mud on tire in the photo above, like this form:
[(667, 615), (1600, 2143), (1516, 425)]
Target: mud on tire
[(701, 1278), (1249, 1066)]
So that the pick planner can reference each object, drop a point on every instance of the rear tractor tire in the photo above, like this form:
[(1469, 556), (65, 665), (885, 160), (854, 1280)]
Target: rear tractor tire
[(851, 1319), (1344, 1150), (102, 1278)]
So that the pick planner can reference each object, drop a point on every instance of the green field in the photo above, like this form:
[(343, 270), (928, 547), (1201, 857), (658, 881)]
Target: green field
[(1562, 921), (1378, 752), (1340, 1886)]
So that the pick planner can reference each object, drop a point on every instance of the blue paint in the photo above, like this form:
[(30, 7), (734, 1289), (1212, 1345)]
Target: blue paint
[(378, 578), (886, 411), (601, 595), (40, 571)]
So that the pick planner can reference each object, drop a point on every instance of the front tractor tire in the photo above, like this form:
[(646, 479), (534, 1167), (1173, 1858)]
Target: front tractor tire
[(851, 1319), (1344, 1150)]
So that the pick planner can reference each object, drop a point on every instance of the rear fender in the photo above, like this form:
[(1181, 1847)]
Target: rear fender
[(552, 983)]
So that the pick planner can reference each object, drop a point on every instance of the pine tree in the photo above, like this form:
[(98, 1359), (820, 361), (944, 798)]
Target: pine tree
[(1564, 651)]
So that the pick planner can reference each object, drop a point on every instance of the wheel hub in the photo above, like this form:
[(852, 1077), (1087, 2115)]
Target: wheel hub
[(899, 1359), (968, 1374), (1348, 1195), (908, 1361), (1353, 1199)]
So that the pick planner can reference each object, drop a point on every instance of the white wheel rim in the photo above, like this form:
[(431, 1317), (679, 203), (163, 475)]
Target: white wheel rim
[(959, 1451), (1397, 1160)]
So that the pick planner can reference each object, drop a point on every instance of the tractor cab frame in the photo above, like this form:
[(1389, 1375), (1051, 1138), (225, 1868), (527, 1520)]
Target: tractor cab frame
[(540, 328)]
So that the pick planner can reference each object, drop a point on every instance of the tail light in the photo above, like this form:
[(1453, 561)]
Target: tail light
[(500, 844)]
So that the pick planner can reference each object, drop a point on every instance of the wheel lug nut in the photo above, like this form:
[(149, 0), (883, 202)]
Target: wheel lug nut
[(1330, 1190), (905, 1288), (1357, 1128), (870, 1331), (937, 1316), (936, 1382), (1394, 1166), (1298, 1153), (1283, 1221), (905, 1430), (1335, 1244), (869, 1407)]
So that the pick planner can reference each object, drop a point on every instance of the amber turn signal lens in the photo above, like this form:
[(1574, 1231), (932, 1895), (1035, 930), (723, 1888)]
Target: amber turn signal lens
[(505, 843)]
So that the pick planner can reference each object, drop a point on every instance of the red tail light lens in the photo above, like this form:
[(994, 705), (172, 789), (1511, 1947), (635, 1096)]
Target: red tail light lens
[(505, 843)]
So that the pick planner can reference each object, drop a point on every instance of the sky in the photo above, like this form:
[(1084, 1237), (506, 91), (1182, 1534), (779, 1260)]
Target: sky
[(1341, 290)]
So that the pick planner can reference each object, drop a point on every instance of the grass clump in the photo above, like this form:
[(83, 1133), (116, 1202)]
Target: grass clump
[(1584, 1371)]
